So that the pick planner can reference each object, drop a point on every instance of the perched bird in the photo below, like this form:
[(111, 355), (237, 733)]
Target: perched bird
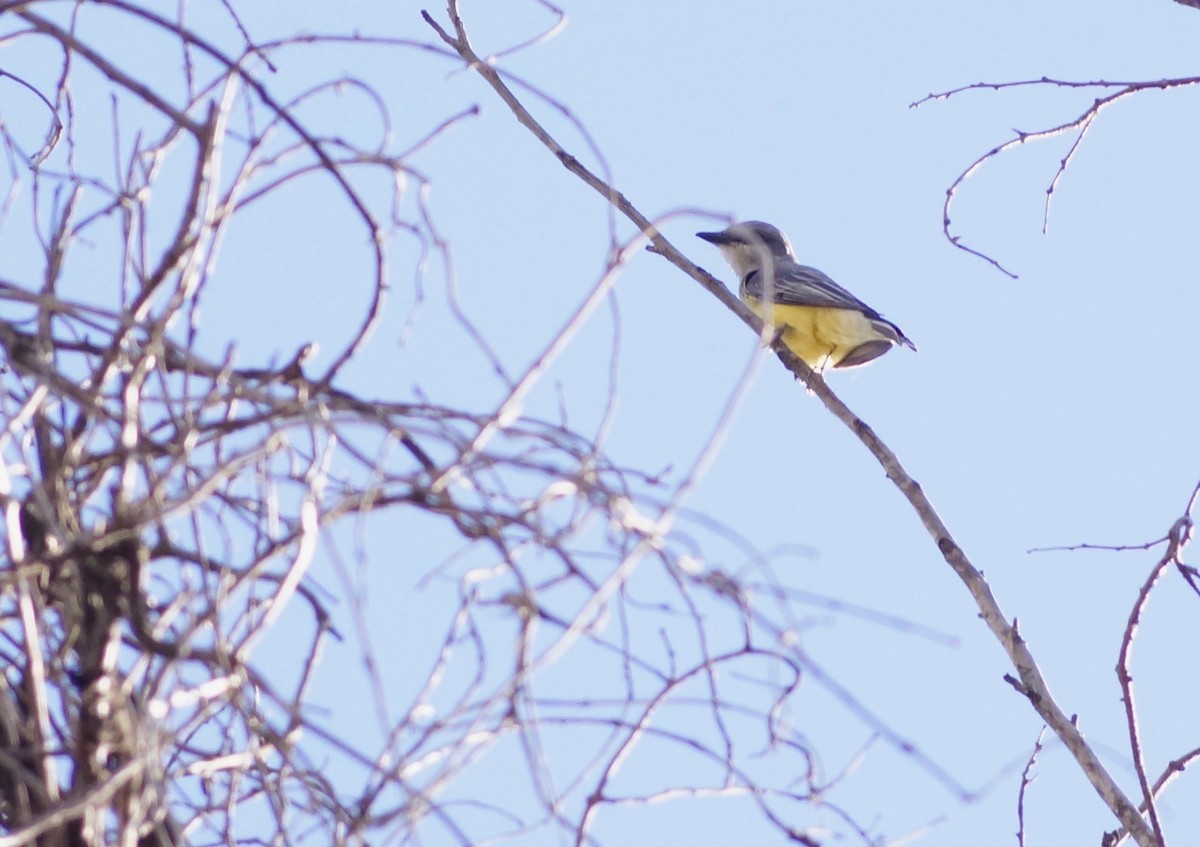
[(823, 323)]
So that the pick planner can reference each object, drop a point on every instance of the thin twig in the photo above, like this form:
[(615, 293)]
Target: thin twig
[(1027, 778), (1080, 125)]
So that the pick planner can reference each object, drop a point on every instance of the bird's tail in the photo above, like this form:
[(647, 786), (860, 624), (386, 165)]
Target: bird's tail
[(892, 332)]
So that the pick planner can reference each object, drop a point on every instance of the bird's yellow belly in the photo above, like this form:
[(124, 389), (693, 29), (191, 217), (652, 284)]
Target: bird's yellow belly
[(817, 334)]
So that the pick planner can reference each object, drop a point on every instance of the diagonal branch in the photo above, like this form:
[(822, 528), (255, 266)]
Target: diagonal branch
[(1031, 682)]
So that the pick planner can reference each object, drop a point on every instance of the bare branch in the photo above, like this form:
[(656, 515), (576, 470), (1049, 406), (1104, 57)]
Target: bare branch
[(1027, 778), (1080, 126), (1126, 680)]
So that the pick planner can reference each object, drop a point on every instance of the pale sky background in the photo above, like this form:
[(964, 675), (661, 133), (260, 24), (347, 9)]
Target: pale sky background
[(1058, 408)]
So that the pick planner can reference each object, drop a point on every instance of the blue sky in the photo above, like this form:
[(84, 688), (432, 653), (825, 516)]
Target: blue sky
[(1049, 410), (1053, 409)]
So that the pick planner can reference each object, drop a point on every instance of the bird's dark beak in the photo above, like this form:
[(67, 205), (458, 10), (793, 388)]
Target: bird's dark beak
[(717, 238)]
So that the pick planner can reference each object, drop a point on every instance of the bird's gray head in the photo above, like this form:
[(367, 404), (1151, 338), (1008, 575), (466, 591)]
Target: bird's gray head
[(749, 245)]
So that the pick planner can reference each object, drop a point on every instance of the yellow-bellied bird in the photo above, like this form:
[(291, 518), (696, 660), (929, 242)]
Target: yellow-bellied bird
[(823, 323)]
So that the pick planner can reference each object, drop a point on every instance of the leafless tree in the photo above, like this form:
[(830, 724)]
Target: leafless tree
[(163, 504)]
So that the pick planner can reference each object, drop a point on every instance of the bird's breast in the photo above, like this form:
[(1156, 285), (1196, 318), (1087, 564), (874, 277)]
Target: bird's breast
[(818, 333)]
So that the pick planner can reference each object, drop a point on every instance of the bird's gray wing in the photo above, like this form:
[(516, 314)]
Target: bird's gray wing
[(800, 285)]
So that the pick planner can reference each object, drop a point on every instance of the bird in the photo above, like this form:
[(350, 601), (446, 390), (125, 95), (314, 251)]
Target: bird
[(821, 322)]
